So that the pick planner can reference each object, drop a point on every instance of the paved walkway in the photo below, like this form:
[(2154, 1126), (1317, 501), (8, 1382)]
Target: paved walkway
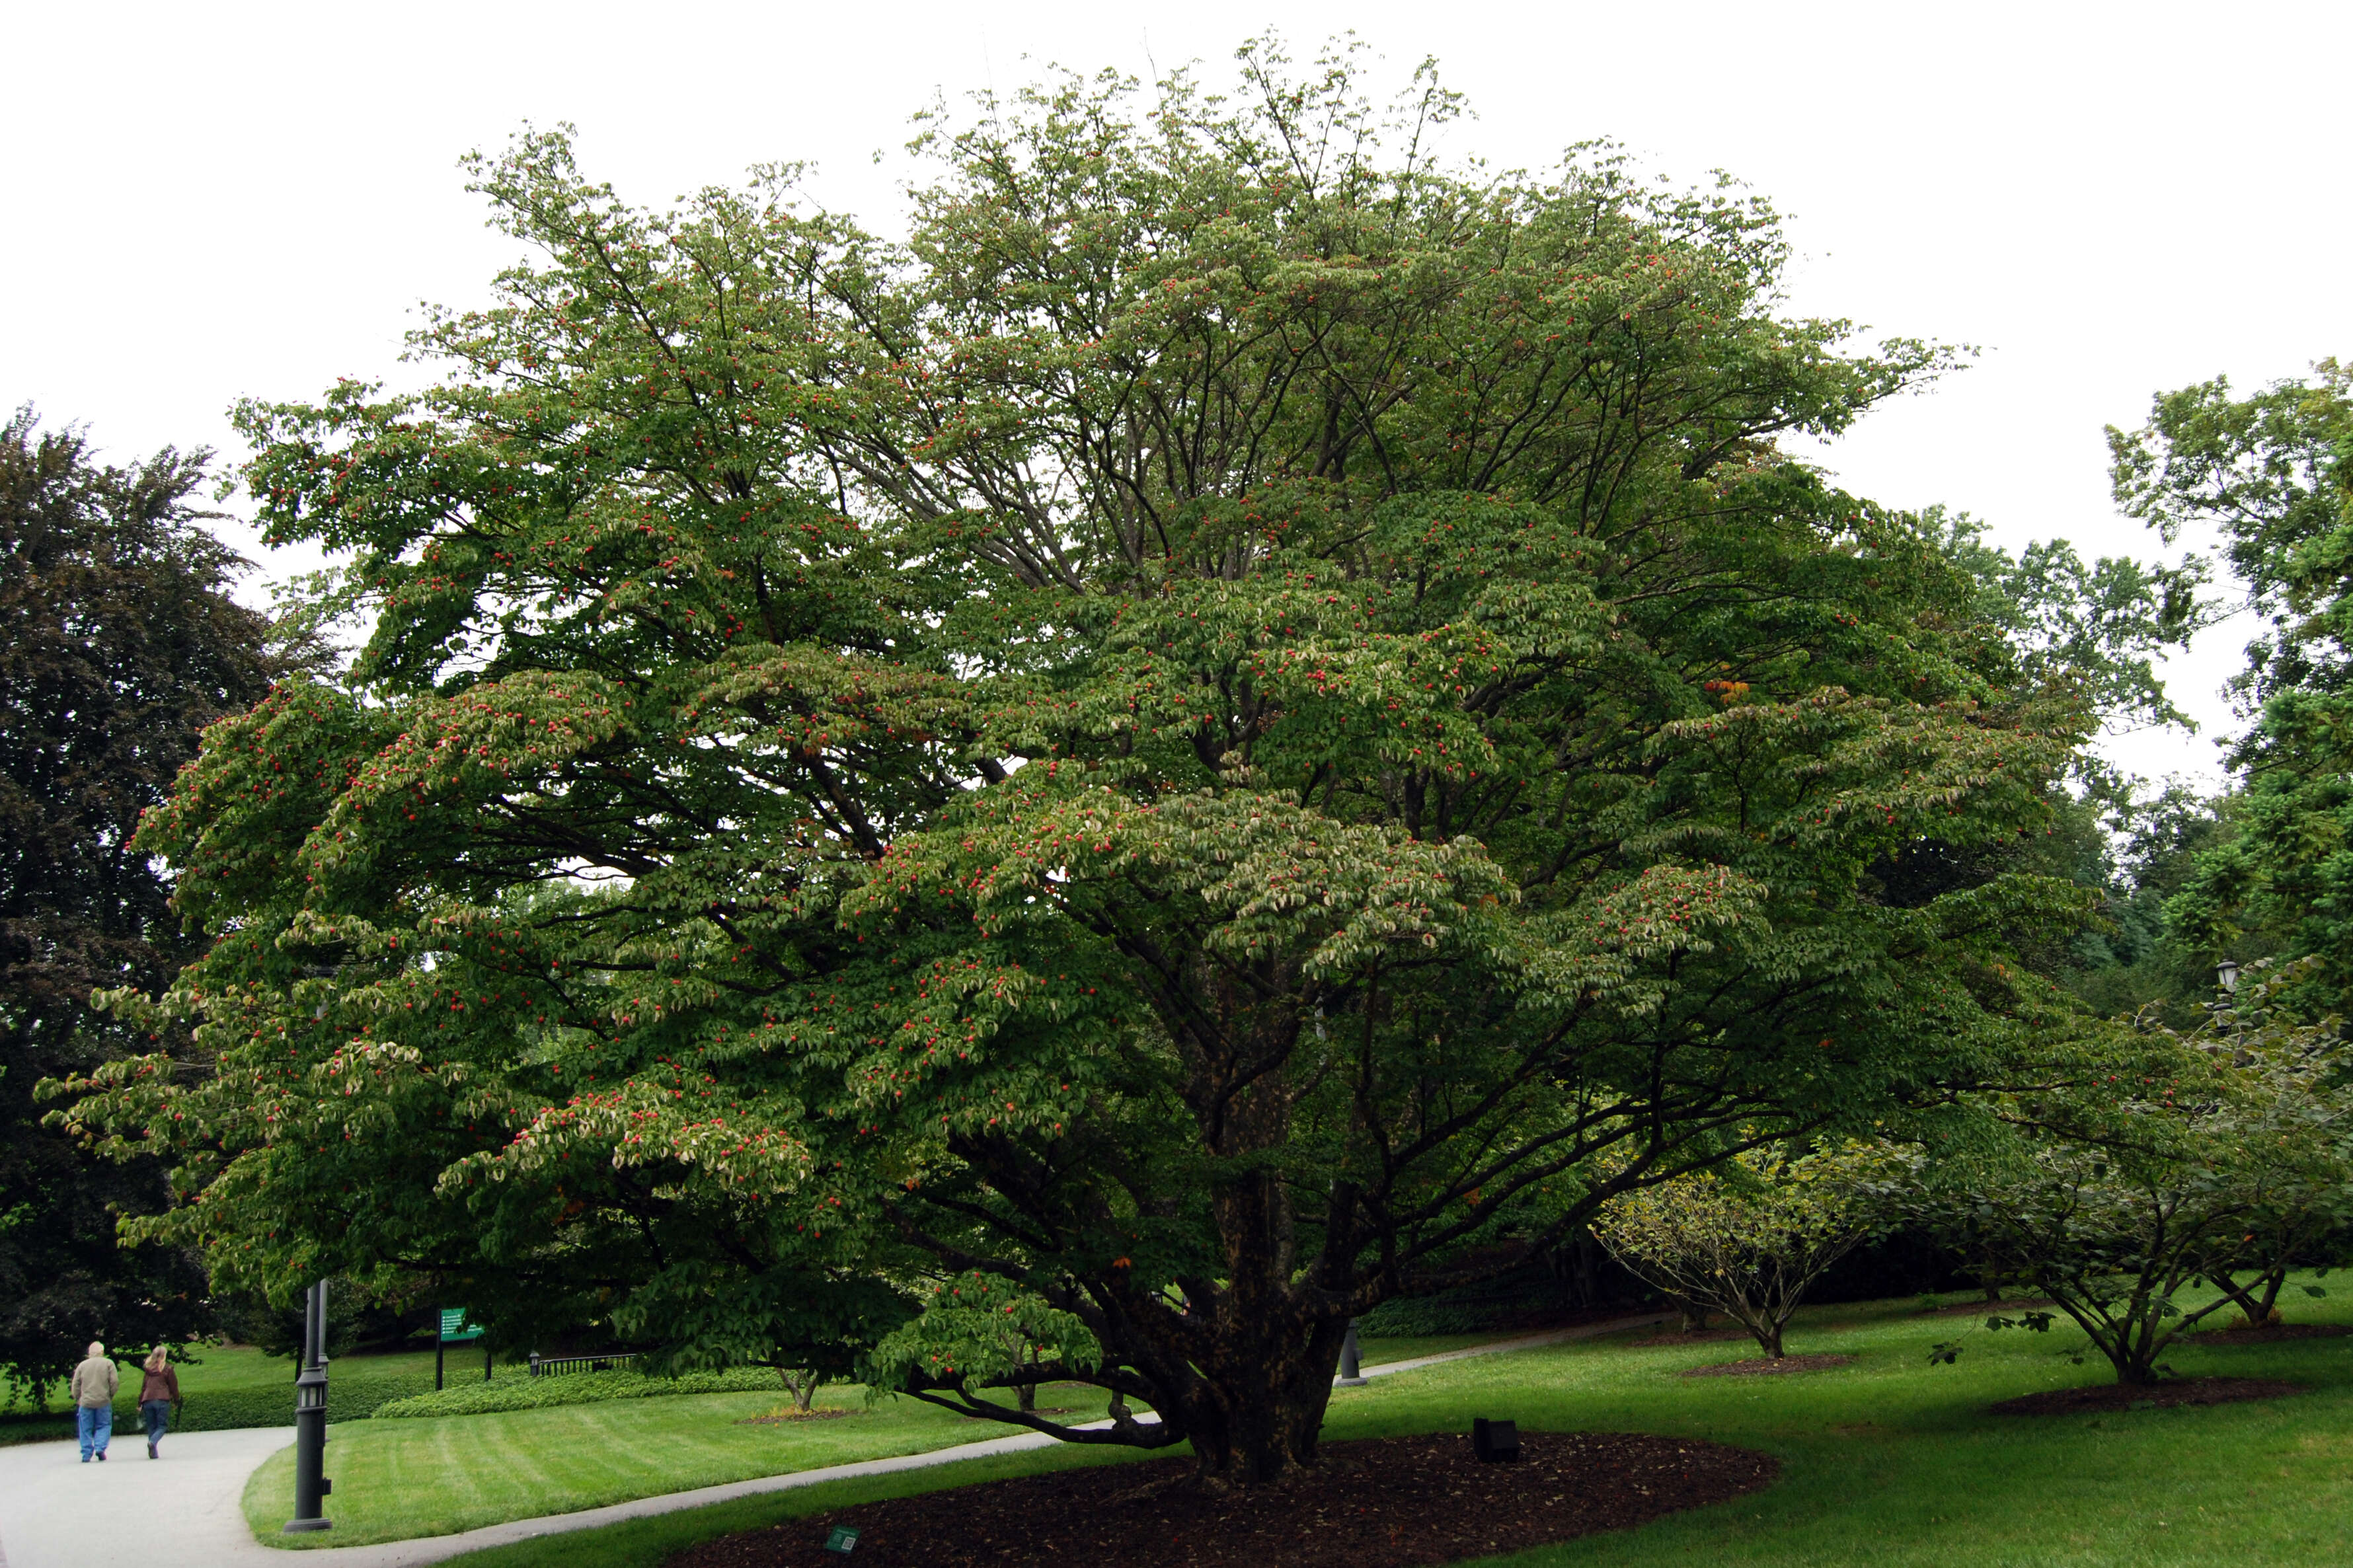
[(1524, 1343), (184, 1509), (58, 1512)]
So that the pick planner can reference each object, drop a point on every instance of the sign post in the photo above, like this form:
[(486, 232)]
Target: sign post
[(311, 1486), (455, 1331)]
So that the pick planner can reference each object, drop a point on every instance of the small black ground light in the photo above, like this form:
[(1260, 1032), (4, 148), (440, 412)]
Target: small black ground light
[(1495, 1442)]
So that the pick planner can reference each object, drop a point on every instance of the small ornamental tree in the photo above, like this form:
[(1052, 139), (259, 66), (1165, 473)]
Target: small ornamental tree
[(2200, 1158), (1203, 741), (811, 1324), (1748, 1237), (979, 1332)]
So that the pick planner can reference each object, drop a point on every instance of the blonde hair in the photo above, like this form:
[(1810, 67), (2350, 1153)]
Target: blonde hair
[(158, 1357)]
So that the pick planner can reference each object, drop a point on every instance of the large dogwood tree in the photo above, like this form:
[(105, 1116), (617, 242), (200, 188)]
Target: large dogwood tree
[(1244, 724)]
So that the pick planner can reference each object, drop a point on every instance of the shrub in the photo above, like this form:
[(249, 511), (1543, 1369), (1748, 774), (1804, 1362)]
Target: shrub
[(541, 1393)]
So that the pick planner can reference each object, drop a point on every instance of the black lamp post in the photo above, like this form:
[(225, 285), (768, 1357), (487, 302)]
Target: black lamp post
[(2226, 977), (311, 1418), (1352, 1374)]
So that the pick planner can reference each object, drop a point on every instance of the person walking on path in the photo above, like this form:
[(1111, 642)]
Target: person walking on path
[(159, 1395), (93, 1386)]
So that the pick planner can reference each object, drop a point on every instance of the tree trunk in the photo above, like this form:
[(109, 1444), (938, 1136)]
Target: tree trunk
[(2133, 1368), (1240, 1364), (1694, 1315), (2135, 1343), (802, 1384), (2251, 1314), (1261, 1365), (2257, 1303), (1587, 1253), (1261, 1401)]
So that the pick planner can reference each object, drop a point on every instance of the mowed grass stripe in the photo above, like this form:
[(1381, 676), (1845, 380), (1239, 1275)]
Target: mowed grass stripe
[(399, 1479)]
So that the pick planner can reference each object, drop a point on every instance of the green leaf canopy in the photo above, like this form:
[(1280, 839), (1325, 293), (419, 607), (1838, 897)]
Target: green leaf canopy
[(1196, 743)]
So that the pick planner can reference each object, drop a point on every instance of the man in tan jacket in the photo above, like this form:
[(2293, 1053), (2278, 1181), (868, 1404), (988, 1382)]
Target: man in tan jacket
[(94, 1387)]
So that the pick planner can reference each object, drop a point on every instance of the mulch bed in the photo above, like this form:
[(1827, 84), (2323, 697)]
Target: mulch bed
[(2105, 1396), (1388, 1502), (2269, 1333), (786, 1418), (1767, 1366)]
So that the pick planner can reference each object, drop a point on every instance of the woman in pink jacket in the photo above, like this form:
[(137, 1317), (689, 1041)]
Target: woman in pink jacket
[(159, 1395)]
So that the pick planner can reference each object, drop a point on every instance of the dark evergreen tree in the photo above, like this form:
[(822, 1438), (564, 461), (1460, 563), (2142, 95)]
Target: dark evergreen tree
[(118, 643)]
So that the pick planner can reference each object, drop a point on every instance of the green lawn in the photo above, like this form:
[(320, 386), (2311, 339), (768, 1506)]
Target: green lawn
[(395, 1480), (1375, 1353), (411, 1477), (218, 1368), (1888, 1461), (239, 1386)]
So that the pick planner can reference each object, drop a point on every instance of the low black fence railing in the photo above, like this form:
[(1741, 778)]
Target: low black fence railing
[(548, 1365)]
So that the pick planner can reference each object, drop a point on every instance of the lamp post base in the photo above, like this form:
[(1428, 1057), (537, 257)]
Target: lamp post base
[(1352, 1374), (303, 1526)]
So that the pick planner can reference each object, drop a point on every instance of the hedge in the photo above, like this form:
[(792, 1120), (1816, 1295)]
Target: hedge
[(362, 1396), (351, 1396), (575, 1388)]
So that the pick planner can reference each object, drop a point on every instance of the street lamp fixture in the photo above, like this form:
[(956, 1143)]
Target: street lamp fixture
[(312, 1487)]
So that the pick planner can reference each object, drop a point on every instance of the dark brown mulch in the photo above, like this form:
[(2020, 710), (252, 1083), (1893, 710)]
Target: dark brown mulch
[(1767, 1366), (2269, 1333), (1387, 1502), (2105, 1396), (786, 1418)]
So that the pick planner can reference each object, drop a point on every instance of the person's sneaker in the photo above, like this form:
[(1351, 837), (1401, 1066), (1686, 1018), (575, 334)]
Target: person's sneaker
[(85, 1458), (151, 1450), (101, 1456)]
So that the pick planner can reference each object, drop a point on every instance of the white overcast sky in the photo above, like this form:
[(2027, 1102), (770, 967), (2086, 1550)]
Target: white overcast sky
[(206, 201)]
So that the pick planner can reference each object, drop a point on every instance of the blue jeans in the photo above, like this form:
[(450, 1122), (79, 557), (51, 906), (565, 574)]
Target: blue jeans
[(95, 1426), (158, 1415)]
